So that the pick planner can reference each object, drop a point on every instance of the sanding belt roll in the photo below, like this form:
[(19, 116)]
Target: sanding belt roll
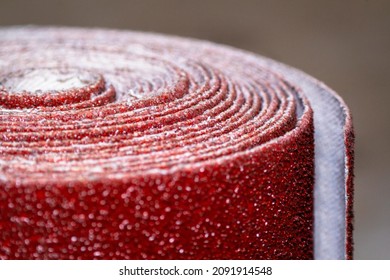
[(128, 145)]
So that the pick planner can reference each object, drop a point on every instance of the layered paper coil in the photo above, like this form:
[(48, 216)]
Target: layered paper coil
[(125, 145)]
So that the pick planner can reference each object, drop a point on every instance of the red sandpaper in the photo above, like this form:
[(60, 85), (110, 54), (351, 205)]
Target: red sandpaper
[(123, 145)]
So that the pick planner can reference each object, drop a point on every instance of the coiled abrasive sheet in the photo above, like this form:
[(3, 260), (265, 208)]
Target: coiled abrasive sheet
[(126, 145)]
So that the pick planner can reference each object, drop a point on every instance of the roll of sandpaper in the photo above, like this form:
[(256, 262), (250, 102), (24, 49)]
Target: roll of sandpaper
[(129, 145)]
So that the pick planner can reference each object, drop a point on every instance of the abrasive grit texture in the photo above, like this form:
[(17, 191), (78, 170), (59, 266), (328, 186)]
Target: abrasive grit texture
[(126, 145)]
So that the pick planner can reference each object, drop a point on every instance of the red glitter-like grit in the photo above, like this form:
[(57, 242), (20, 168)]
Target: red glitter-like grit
[(349, 142), (118, 145)]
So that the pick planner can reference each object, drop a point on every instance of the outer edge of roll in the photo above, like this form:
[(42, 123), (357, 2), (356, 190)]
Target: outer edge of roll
[(349, 170)]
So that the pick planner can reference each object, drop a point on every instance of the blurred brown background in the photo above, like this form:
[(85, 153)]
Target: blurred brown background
[(346, 44)]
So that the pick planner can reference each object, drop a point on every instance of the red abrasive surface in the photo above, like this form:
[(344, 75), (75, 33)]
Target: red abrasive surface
[(120, 145), (350, 158)]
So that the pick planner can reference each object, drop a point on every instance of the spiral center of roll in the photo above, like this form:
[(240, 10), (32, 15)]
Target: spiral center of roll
[(48, 87), (46, 80)]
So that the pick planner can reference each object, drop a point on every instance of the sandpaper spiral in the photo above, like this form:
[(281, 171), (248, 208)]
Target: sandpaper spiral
[(126, 145)]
